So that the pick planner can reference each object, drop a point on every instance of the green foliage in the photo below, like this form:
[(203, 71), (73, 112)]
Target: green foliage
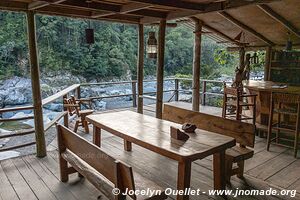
[(62, 47)]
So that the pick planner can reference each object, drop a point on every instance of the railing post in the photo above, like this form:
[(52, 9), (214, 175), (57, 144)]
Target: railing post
[(204, 92), (176, 89), (66, 116), (78, 93), (134, 94)]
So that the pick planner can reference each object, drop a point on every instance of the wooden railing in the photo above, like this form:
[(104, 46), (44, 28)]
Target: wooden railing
[(24, 132), (76, 90)]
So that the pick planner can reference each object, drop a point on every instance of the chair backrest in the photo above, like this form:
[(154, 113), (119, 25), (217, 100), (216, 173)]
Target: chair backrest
[(115, 171), (231, 91), (285, 98), (244, 133), (71, 105)]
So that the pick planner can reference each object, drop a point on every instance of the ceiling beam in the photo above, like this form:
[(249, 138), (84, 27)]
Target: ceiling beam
[(245, 27), (131, 7), (174, 4), (226, 37), (40, 4), (279, 19), (96, 6), (18, 6), (212, 7), (72, 12)]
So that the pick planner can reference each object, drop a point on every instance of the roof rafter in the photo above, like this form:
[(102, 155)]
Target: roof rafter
[(245, 27), (279, 19), (40, 4), (212, 7), (174, 4), (131, 7)]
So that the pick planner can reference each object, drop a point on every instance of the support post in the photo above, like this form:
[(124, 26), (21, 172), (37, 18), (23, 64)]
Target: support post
[(242, 53), (36, 87), (176, 89), (268, 63), (133, 86), (196, 65), (140, 69), (78, 92), (160, 68), (204, 93)]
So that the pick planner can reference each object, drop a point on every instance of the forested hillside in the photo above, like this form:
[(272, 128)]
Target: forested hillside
[(62, 47)]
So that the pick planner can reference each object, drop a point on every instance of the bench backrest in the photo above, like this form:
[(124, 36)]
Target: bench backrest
[(244, 133), (117, 172)]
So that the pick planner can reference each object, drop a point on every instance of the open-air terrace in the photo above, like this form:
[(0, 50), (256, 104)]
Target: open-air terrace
[(168, 140)]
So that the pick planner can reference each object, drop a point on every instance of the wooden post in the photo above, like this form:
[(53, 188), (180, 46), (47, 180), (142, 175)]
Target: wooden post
[(204, 93), (78, 93), (66, 117), (196, 65), (160, 68), (268, 63), (176, 89), (36, 87), (140, 69), (133, 86), (242, 58)]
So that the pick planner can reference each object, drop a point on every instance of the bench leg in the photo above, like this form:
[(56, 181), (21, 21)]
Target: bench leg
[(97, 136), (127, 145), (240, 164), (63, 166), (184, 178), (219, 171), (229, 164)]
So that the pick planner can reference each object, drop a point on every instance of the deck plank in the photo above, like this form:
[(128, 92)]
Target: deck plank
[(15, 178), (59, 189), (39, 188), (286, 177), (272, 166), (76, 185), (6, 189)]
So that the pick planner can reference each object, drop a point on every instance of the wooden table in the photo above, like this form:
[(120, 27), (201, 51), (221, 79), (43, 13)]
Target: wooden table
[(264, 89), (154, 134)]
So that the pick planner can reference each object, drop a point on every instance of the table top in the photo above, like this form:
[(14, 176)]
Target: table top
[(154, 134), (270, 86)]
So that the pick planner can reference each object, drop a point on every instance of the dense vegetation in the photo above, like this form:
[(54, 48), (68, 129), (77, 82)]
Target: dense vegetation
[(62, 47)]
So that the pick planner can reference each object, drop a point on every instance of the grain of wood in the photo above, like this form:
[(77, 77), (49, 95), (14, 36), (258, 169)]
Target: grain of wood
[(15, 178)]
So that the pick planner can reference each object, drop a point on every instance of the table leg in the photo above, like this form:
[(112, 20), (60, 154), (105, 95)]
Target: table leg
[(127, 145), (184, 178), (97, 136), (219, 171)]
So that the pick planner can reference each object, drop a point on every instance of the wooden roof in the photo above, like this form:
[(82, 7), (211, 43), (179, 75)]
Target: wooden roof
[(263, 22)]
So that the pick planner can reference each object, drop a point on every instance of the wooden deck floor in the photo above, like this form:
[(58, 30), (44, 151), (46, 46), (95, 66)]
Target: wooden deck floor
[(31, 178)]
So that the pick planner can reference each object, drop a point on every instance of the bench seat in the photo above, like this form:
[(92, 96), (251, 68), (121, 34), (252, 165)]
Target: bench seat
[(238, 153)]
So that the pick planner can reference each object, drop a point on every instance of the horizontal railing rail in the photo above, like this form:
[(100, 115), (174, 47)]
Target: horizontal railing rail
[(76, 89)]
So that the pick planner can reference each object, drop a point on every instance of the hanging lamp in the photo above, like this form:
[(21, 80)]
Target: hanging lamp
[(89, 32), (152, 45)]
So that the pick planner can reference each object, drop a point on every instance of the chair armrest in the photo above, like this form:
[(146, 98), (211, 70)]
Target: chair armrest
[(71, 105), (249, 95)]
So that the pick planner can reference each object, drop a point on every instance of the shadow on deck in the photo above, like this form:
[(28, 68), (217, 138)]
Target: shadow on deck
[(28, 177)]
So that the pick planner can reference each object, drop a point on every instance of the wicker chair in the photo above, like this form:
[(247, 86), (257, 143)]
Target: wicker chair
[(287, 108), (235, 100)]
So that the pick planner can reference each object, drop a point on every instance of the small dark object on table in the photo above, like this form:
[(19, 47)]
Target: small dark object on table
[(178, 134), (189, 128)]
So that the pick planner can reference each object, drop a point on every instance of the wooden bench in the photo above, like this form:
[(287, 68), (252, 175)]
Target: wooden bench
[(244, 133), (102, 170)]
